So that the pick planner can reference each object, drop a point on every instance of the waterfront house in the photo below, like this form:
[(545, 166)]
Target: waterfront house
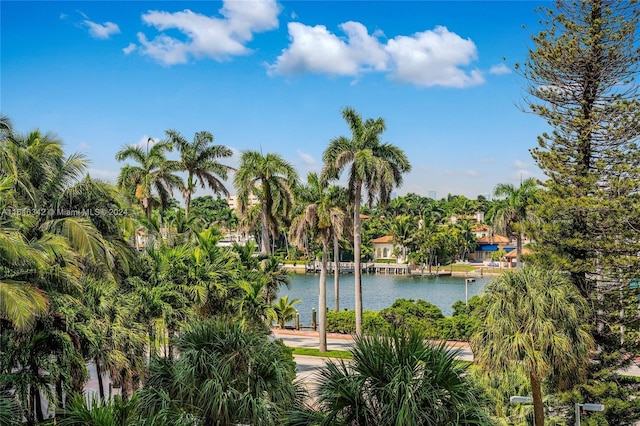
[(384, 249), (490, 244)]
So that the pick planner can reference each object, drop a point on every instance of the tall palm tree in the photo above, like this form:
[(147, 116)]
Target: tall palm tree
[(534, 320), (375, 169), (323, 217), (516, 211), (398, 378), (200, 160), (340, 199), (152, 177), (272, 179)]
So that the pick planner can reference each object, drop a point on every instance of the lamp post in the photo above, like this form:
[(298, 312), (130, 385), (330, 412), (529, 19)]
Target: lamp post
[(586, 407), (522, 400), (466, 288)]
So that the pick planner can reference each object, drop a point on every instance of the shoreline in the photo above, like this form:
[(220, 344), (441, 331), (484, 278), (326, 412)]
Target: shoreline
[(476, 273)]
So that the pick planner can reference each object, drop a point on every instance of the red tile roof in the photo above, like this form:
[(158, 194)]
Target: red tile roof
[(496, 239), (383, 240)]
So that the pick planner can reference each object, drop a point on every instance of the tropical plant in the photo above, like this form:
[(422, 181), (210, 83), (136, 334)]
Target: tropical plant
[(200, 160), (397, 378), (285, 310), (84, 411), (534, 320), (323, 218), (152, 181), (375, 169), (271, 178), (516, 212), (227, 373), (403, 231), (10, 414), (275, 276)]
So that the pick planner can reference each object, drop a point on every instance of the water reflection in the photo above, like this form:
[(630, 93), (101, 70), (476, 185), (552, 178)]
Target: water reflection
[(380, 290)]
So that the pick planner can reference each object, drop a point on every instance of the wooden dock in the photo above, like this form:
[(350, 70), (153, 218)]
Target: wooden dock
[(367, 268)]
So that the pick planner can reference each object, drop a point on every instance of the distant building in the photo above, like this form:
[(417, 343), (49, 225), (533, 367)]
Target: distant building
[(490, 244), (232, 200), (383, 247), (432, 195)]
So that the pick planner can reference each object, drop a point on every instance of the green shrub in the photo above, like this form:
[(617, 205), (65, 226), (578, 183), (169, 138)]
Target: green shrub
[(345, 322), (415, 314)]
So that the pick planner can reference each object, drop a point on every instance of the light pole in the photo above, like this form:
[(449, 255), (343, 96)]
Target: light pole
[(586, 407), (522, 400), (466, 288)]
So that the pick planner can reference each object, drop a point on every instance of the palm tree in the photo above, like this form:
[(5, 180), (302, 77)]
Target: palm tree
[(403, 230), (398, 378), (272, 179), (275, 277), (285, 310), (200, 160), (152, 177), (340, 199), (516, 211), (534, 320), (252, 306), (375, 168), (21, 301), (226, 374), (322, 217)]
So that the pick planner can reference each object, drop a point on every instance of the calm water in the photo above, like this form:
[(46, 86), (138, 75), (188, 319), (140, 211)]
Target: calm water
[(379, 291)]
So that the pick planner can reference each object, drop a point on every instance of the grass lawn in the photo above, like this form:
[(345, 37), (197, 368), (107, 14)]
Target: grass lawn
[(328, 354)]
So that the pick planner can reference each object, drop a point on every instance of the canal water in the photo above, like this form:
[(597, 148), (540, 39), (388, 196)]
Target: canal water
[(379, 291)]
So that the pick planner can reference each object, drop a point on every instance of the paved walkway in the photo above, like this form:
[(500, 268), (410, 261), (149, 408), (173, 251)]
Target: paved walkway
[(310, 339), (307, 365)]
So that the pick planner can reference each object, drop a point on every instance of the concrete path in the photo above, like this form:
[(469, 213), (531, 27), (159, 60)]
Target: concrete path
[(309, 366), (309, 339), (335, 341)]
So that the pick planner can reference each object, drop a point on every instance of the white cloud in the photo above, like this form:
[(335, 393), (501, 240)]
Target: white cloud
[(308, 159), (130, 48), (316, 49), (63, 16), (83, 145), (472, 173), (101, 31), (499, 69), (429, 58), (488, 160), (208, 37), (434, 58)]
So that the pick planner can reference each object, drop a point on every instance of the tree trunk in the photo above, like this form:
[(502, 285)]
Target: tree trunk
[(38, 404), (187, 203), (538, 408), (322, 299), (146, 203), (31, 420), (99, 374), (336, 273), (357, 271), (264, 243), (518, 250), (60, 394)]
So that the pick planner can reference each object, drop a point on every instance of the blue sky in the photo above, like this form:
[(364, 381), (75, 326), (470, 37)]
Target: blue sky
[(275, 76)]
